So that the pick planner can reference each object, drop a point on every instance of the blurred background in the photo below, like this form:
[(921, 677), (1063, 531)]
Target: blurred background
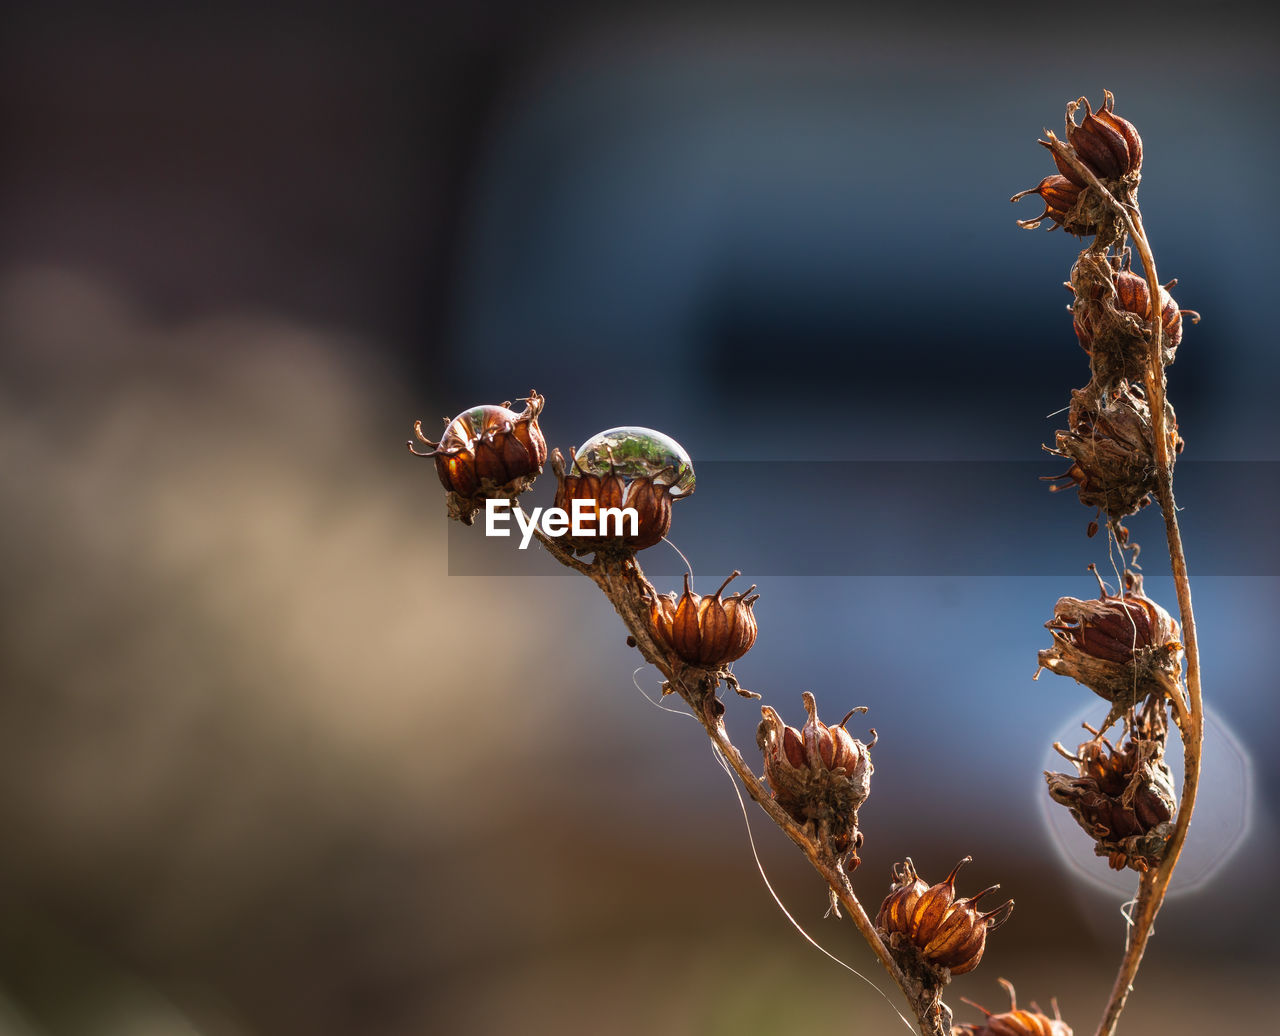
[(281, 753)]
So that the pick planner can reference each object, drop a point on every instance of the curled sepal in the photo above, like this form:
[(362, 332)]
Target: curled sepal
[(1015, 1021), (820, 775), (1061, 200)]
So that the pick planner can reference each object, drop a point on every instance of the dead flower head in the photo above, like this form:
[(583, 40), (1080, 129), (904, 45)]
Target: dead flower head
[(820, 775), (706, 631), (1123, 797), (486, 452), (1124, 648), (1112, 316), (927, 922), (1061, 199), (1106, 143), (1109, 445), (624, 467)]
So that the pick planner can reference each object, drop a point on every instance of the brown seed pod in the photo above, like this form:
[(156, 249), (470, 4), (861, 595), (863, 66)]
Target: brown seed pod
[(905, 892), (1109, 445), (1060, 197), (1015, 1021), (1132, 294), (1123, 798), (820, 775), (926, 923), (625, 467), (1124, 648), (1112, 314), (706, 631), (608, 493), (486, 452), (1103, 141)]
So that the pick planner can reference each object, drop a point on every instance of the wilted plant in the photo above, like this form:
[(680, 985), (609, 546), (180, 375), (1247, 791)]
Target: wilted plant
[(1121, 440)]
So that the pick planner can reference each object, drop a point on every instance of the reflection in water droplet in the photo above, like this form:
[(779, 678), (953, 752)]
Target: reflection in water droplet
[(635, 452), (469, 425), (1223, 808)]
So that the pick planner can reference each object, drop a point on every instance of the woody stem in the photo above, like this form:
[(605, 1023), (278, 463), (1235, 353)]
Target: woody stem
[(1193, 728)]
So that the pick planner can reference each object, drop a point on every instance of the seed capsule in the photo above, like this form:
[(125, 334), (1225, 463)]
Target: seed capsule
[(1131, 294), (1060, 196), (1015, 1021), (1109, 444), (706, 631), (1103, 141), (1123, 648), (1124, 798), (626, 467), (897, 908), (927, 923), (486, 452), (820, 775), (1112, 316)]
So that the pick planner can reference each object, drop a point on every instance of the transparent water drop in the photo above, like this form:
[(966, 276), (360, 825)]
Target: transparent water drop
[(1221, 825), (469, 425), (635, 452)]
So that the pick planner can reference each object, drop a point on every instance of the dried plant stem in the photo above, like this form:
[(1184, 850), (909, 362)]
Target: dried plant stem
[(629, 591), (1155, 884)]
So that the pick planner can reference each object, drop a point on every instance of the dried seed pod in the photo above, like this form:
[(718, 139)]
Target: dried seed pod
[(1109, 445), (820, 775), (1112, 314), (600, 502), (926, 923), (487, 452), (905, 892), (1060, 197), (1132, 294), (1015, 1021), (625, 467), (1123, 798), (1103, 141), (706, 631), (1123, 648)]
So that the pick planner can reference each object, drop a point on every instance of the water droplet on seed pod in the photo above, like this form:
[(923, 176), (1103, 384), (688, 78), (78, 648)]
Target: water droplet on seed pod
[(635, 452)]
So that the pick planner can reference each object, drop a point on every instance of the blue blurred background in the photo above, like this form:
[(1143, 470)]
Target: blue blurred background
[(268, 767)]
